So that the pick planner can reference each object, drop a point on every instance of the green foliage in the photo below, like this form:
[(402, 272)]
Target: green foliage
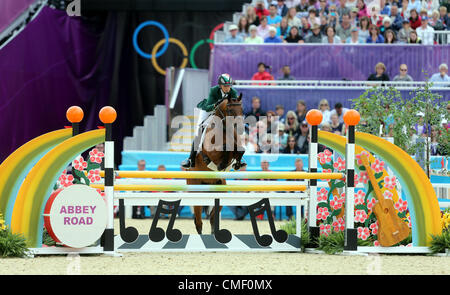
[(333, 243), (382, 107), (440, 242), (372, 107), (12, 245), (47, 239), (290, 228)]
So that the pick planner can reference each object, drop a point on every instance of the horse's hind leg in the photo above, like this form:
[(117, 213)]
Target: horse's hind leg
[(213, 215), (198, 219)]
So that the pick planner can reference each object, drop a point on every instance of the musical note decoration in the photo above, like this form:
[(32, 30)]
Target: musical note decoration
[(128, 234), (157, 234), (222, 235), (265, 240)]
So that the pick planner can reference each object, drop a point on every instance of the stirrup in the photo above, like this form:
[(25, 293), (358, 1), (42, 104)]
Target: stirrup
[(239, 165), (186, 163)]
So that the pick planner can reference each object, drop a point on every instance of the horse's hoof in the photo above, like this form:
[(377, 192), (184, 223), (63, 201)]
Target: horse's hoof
[(199, 231)]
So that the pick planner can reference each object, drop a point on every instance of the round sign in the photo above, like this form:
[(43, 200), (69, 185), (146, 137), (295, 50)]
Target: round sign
[(75, 216)]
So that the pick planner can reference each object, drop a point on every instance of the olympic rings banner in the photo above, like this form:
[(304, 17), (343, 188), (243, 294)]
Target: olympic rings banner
[(165, 44)]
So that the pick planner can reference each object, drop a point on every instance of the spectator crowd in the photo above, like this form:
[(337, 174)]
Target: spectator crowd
[(287, 132), (343, 21)]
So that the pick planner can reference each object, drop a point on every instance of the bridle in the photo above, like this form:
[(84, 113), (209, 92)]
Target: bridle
[(229, 111)]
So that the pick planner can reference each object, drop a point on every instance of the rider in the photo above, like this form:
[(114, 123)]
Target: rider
[(207, 105)]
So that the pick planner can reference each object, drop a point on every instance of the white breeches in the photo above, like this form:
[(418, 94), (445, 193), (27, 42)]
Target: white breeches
[(201, 118)]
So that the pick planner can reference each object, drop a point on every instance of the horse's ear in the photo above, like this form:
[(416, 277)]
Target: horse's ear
[(240, 97)]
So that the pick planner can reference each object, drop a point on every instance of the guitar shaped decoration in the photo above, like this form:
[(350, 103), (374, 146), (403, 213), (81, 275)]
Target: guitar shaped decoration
[(391, 228)]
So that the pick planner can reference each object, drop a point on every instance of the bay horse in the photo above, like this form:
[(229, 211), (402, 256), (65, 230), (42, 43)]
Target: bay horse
[(214, 156)]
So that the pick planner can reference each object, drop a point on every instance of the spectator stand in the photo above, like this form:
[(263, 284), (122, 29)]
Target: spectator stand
[(287, 93)]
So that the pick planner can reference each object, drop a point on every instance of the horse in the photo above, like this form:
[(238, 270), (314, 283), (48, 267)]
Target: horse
[(215, 156)]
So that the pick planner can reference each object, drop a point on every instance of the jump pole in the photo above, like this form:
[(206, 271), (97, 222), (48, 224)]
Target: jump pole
[(108, 115), (202, 187), (314, 118), (351, 119), (225, 175)]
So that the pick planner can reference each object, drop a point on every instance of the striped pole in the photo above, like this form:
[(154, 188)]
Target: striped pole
[(108, 115), (351, 119), (314, 118)]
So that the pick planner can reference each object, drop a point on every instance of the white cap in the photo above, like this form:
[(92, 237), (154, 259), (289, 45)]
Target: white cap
[(252, 27), (272, 29), (232, 27), (387, 19)]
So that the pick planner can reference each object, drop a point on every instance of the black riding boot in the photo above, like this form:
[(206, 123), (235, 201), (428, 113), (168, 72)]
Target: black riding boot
[(190, 162), (239, 164)]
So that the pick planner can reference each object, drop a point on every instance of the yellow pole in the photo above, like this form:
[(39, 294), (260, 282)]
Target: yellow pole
[(226, 175), (204, 187)]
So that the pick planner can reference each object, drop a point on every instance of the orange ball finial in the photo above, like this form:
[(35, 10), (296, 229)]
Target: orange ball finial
[(107, 115), (74, 114), (352, 117), (314, 117)]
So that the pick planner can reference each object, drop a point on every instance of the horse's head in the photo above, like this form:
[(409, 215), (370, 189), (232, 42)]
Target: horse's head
[(230, 107)]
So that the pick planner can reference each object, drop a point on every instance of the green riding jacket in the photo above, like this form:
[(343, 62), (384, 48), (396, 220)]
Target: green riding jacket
[(215, 94)]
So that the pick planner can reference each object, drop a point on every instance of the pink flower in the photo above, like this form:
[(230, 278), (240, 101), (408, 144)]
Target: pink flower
[(388, 195), (65, 180), (94, 175), (339, 225), (389, 182), (335, 204), (356, 180), (79, 163), (363, 177), (339, 164), (358, 157), (363, 233), (409, 221), (96, 156), (371, 203), (322, 213), (401, 205), (322, 195), (360, 216), (325, 157), (342, 198), (325, 229), (378, 166), (374, 227), (376, 243), (359, 197)]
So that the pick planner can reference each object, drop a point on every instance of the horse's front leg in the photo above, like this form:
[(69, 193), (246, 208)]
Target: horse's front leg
[(225, 159), (198, 219)]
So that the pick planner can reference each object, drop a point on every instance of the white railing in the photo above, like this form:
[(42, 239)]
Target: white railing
[(19, 24), (442, 37), (327, 84)]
